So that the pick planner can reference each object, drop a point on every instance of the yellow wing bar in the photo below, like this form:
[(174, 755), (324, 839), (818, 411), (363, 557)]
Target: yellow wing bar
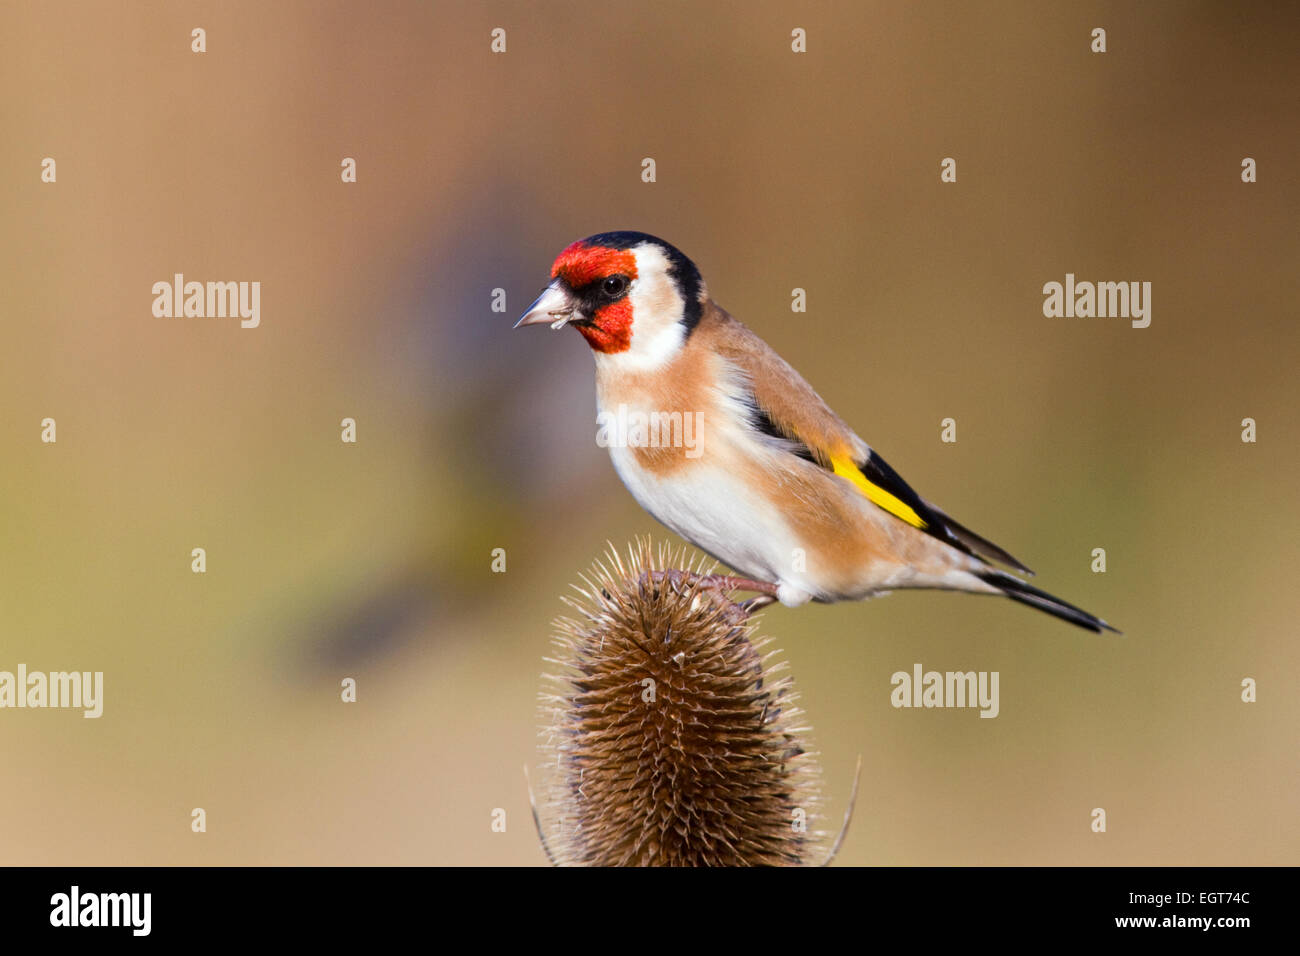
[(845, 468)]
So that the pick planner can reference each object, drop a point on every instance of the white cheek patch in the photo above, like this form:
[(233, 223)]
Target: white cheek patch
[(654, 290), (646, 352), (657, 308)]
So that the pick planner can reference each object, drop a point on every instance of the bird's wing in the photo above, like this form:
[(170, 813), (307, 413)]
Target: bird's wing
[(786, 407)]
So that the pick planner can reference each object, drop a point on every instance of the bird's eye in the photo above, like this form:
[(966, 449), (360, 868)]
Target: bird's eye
[(614, 286)]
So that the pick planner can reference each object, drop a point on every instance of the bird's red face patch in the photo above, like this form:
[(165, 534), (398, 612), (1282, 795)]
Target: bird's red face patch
[(581, 265), (610, 329)]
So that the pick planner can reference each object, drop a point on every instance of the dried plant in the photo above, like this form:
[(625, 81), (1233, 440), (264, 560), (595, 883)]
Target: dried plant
[(671, 737)]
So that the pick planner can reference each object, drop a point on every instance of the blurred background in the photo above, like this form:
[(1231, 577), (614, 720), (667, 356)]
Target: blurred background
[(775, 170)]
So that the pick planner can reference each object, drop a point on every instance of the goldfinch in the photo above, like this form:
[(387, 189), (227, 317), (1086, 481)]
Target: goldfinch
[(773, 484)]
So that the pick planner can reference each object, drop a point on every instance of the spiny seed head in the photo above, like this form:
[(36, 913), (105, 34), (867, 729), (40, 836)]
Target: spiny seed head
[(667, 740)]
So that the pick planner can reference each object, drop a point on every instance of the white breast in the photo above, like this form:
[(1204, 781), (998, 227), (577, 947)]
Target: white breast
[(715, 512), (708, 503)]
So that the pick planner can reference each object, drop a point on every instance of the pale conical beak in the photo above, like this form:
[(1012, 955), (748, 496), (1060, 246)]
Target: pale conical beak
[(553, 307)]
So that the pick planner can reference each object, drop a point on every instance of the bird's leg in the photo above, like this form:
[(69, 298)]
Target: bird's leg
[(728, 583), (722, 583)]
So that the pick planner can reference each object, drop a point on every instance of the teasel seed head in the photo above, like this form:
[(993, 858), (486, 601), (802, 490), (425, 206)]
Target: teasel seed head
[(670, 734)]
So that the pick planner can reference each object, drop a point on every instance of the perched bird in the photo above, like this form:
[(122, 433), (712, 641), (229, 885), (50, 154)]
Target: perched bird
[(772, 483)]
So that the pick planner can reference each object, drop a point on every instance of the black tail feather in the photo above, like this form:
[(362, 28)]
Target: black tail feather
[(979, 546), (1018, 590)]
